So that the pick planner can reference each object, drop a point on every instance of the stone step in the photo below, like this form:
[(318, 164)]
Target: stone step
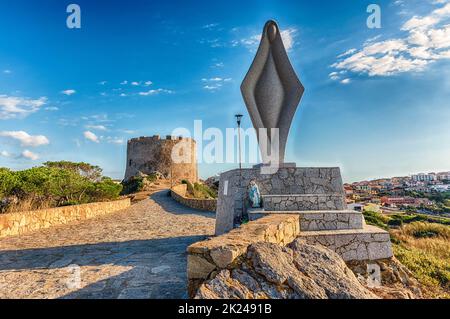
[(319, 219), (368, 243), (298, 202)]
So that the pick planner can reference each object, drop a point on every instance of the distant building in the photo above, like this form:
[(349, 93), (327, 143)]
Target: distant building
[(362, 187), (444, 176), (348, 190), (397, 201), (421, 177), (440, 188)]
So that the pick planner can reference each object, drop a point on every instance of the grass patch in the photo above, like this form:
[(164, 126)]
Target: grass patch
[(422, 244), (376, 219), (432, 272), (199, 191)]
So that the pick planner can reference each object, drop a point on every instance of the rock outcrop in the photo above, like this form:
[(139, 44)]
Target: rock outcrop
[(298, 271), (397, 281)]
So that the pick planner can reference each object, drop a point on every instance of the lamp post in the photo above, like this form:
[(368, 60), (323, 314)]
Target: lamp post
[(238, 121)]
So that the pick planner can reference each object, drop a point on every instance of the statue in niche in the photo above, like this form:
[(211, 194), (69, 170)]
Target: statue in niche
[(254, 195)]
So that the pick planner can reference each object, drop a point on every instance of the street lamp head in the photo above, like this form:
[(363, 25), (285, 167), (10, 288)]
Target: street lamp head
[(238, 118)]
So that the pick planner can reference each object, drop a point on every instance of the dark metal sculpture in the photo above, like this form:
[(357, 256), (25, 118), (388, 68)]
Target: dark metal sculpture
[(271, 89)]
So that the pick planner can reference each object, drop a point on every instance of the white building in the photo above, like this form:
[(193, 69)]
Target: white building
[(421, 177), (443, 176), (440, 188)]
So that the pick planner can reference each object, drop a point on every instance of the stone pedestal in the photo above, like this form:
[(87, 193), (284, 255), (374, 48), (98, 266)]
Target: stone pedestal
[(316, 195), (323, 186)]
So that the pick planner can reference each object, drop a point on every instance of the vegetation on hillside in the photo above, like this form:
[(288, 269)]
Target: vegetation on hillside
[(138, 183), (441, 199), (422, 244), (200, 191), (54, 184)]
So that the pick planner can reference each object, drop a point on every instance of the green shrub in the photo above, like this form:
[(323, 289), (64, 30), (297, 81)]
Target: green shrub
[(198, 190), (376, 219), (132, 185), (204, 191), (55, 184), (106, 189)]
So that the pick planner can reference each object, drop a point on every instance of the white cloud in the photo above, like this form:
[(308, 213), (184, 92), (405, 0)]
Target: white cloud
[(215, 83), (417, 22), (128, 131), (212, 87), (91, 136), (17, 107), (334, 76), (210, 26), (102, 82), (115, 140), (68, 92), (345, 81), (51, 108), (287, 36), (97, 127), (218, 65), (124, 82), (425, 40), (148, 83), (135, 83), (5, 154), (155, 92), (26, 139), (30, 155)]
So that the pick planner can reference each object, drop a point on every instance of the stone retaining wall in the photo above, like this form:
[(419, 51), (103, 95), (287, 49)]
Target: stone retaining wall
[(207, 258), (178, 193), (24, 222)]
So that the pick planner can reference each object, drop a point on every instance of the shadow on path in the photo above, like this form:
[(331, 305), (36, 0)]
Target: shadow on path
[(158, 266)]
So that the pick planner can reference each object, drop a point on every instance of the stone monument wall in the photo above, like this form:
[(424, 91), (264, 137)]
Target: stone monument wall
[(323, 186), (153, 154)]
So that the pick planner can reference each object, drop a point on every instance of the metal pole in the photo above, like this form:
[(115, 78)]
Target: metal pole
[(238, 119), (240, 151)]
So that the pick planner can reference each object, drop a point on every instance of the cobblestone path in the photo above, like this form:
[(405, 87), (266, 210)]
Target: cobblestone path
[(138, 252)]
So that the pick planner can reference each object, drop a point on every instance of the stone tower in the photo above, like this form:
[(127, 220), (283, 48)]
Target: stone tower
[(154, 154)]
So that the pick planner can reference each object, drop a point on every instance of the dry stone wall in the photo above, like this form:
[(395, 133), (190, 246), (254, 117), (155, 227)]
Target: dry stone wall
[(24, 222), (178, 193)]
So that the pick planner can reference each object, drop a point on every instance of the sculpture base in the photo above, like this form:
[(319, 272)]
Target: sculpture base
[(316, 195), (324, 184)]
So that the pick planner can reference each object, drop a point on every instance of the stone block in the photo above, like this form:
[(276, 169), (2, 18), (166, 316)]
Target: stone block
[(198, 267)]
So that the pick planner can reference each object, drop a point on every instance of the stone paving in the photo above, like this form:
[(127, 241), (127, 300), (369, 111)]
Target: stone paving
[(139, 252)]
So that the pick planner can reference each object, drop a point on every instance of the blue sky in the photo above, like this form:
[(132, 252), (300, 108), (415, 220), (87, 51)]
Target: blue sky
[(376, 101)]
